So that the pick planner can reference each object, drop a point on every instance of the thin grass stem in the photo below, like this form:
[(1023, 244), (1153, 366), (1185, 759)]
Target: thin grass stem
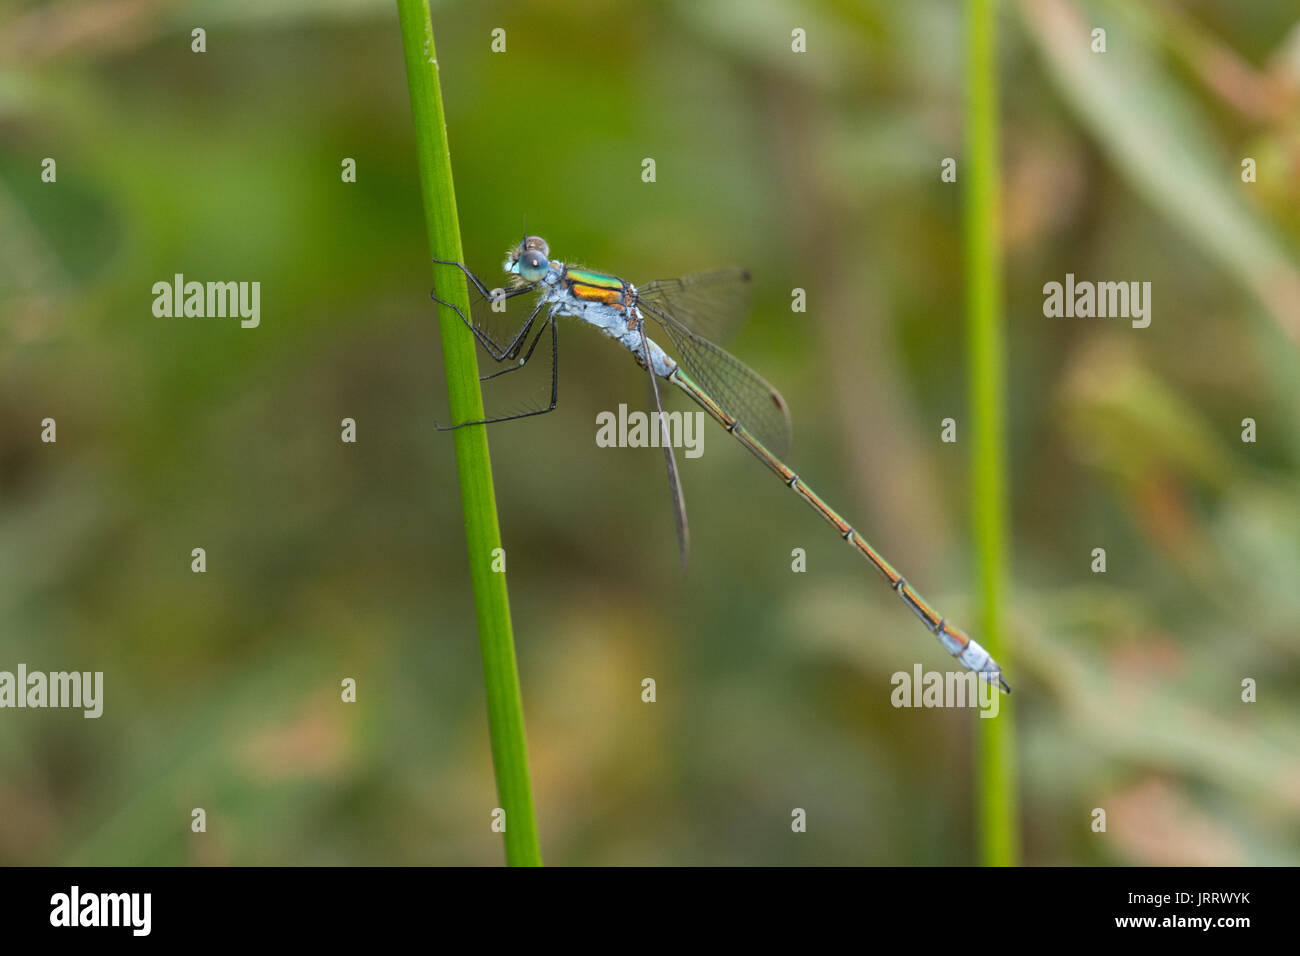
[(482, 534)]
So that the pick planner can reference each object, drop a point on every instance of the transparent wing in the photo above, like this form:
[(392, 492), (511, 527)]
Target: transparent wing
[(670, 462), (711, 304), (742, 392)]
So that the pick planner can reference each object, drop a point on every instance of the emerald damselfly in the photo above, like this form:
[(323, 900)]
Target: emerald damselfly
[(688, 311)]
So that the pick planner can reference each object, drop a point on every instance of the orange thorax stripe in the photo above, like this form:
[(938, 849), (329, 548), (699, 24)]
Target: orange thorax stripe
[(595, 287)]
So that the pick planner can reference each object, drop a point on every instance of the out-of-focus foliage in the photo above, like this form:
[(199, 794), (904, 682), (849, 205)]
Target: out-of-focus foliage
[(818, 171)]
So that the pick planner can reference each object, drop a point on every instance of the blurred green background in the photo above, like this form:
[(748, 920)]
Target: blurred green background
[(818, 171)]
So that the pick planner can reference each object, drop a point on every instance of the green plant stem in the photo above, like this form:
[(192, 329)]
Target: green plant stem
[(997, 810), (491, 601)]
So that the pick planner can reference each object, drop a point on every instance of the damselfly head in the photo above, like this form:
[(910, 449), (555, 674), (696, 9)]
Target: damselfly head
[(528, 260)]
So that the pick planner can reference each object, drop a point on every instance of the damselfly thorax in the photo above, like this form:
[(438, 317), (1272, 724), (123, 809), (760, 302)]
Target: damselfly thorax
[(607, 303)]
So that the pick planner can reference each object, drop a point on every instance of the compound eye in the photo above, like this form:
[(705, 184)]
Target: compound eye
[(533, 264), (537, 243)]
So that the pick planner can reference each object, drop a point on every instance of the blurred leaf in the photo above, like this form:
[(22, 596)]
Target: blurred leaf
[(1121, 417), (1160, 141)]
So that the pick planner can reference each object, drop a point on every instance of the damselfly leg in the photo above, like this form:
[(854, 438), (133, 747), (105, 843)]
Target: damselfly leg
[(504, 339), (494, 297), (550, 320)]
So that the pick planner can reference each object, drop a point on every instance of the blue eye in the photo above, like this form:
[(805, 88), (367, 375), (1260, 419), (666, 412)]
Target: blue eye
[(533, 265)]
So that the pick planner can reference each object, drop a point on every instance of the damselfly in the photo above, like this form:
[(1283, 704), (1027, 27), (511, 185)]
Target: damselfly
[(686, 310)]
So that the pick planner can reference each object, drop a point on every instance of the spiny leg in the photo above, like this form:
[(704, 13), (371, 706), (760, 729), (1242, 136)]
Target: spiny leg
[(523, 361), (555, 386), (478, 283), (498, 352)]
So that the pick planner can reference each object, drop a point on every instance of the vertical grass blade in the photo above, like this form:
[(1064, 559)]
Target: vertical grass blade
[(997, 811), (491, 601)]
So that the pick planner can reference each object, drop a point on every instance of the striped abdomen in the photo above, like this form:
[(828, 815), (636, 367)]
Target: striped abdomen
[(954, 640)]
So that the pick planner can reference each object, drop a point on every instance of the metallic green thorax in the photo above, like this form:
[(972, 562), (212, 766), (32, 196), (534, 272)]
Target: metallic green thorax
[(597, 279)]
